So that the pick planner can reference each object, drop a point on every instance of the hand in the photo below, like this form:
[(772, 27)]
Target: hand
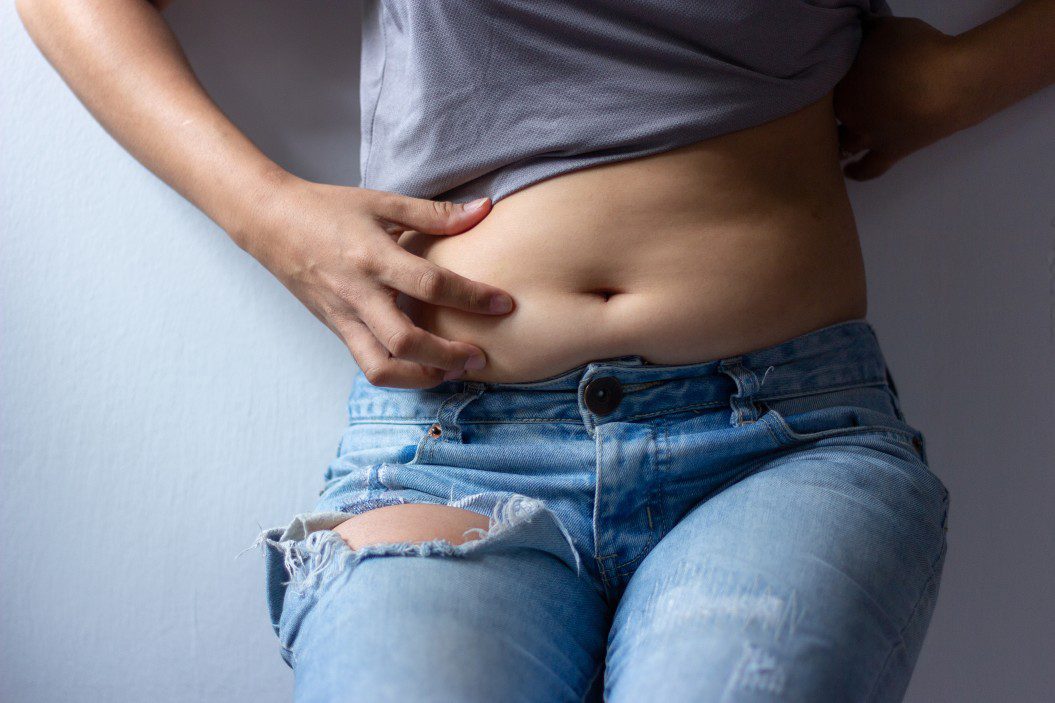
[(335, 249), (902, 93)]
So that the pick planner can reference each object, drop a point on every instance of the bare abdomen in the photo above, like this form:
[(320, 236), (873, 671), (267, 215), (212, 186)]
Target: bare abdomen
[(706, 251)]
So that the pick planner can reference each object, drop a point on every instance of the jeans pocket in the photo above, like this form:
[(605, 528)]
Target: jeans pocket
[(847, 412), (368, 443), (394, 440), (815, 425)]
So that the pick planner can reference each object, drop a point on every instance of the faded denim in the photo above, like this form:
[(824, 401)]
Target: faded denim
[(763, 527)]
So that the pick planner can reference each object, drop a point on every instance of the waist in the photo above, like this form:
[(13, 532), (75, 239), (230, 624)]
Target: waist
[(714, 249), (628, 388)]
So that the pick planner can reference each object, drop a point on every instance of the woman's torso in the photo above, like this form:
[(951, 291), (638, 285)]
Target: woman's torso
[(723, 246)]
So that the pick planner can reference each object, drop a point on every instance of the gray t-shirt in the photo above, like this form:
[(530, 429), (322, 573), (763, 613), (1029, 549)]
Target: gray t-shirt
[(466, 98)]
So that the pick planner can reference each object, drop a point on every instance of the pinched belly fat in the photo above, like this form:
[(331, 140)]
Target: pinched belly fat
[(715, 249)]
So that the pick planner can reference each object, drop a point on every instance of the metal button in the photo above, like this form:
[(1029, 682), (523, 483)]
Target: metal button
[(917, 443), (602, 395), (435, 430)]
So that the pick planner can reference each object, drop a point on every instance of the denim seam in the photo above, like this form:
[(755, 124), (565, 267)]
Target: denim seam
[(777, 418), (428, 420), (292, 654), (390, 420), (825, 389), (772, 432), (589, 684), (904, 438), (595, 512), (620, 569), (654, 510), (900, 642), (662, 470), (576, 420)]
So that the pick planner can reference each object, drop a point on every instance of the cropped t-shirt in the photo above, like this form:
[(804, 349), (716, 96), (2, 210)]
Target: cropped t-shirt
[(466, 98)]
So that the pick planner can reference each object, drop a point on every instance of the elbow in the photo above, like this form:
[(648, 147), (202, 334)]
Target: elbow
[(36, 15), (40, 16), (25, 10), (29, 12)]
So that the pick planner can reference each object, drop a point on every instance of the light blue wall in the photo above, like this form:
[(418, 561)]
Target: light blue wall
[(162, 396)]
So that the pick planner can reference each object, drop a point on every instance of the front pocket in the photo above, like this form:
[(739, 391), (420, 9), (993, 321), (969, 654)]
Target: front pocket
[(372, 443), (351, 476), (803, 428), (382, 440), (841, 421), (840, 413)]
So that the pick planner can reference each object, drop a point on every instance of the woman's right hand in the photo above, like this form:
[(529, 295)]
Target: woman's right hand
[(334, 247)]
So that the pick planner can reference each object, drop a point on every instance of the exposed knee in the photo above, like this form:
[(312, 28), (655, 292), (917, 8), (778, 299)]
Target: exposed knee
[(411, 522)]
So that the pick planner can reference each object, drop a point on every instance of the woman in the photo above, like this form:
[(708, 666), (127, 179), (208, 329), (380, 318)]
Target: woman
[(673, 462)]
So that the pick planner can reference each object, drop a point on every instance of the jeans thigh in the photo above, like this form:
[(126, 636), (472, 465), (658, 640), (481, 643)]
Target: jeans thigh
[(812, 578), (496, 624)]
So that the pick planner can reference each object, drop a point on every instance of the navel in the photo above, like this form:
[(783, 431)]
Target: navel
[(605, 294)]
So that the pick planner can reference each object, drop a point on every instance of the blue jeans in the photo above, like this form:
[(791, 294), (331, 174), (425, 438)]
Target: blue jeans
[(756, 528)]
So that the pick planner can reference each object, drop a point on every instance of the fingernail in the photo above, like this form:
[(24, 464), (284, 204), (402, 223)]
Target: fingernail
[(475, 362), (501, 303), (474, 205), (451, 375)]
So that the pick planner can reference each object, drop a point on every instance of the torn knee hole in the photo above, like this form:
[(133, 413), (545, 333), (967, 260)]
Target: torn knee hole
[(413, 523), (333, 542)]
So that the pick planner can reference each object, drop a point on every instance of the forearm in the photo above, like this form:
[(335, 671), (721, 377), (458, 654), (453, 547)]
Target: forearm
[(122, 61), (1007, 58)]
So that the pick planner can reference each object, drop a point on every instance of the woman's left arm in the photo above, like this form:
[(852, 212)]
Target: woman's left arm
[(912, 84)]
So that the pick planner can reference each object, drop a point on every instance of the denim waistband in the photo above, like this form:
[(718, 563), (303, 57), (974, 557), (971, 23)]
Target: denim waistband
[(842, 355)]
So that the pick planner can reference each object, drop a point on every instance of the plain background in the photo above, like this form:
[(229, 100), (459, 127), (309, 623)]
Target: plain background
[(163, 397)]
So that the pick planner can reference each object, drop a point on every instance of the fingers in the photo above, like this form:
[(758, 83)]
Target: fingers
[(421, 279), (400, 337), (430, 216), (381, 369), (871, 165), (850, 142)]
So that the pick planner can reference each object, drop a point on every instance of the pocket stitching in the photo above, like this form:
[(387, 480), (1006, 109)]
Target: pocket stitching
[(787, 437), (785, 434)]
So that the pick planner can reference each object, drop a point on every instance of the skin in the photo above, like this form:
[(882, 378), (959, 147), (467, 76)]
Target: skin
[(912, 85), (723, 246), (726, 245)]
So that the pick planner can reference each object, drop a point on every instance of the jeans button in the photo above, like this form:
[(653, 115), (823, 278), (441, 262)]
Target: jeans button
[(602, 395)]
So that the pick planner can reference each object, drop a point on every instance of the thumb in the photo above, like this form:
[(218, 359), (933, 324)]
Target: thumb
[(432, 216)]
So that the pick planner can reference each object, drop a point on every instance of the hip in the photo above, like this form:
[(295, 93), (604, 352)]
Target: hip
[(621, 449), (824, 387), (799, 451)]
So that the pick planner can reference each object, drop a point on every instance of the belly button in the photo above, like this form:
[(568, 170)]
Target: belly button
[(605, 293)]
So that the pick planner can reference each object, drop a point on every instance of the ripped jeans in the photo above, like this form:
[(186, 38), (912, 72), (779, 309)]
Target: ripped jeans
[(763, 527)]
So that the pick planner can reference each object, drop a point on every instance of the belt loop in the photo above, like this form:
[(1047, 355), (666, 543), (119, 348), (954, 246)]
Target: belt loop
[(747, 385)]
